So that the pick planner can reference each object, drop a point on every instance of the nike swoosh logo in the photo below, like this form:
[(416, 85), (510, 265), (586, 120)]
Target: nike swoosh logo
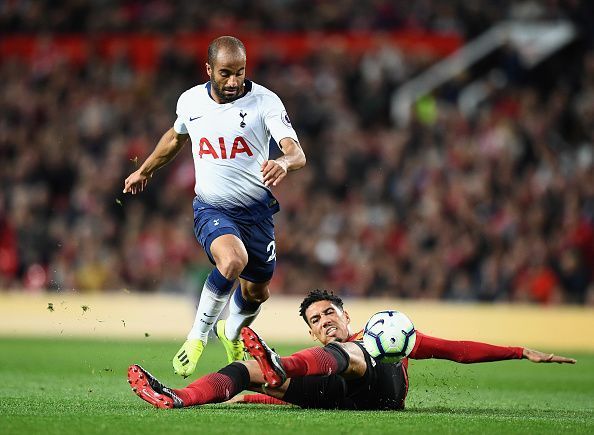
[(195, 118), (379, 322)]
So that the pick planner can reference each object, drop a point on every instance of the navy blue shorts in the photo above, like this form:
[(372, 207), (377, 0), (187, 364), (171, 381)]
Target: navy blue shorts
[(257, 237)]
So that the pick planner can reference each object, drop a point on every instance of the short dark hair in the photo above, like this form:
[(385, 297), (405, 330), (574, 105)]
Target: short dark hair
[(228, 42), (316, 296)]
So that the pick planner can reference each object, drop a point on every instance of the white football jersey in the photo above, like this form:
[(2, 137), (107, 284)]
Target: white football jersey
[(230, 143)]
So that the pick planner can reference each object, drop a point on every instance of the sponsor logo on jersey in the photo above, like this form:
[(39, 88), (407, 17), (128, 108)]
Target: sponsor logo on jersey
[(195, 118), (240, 146)]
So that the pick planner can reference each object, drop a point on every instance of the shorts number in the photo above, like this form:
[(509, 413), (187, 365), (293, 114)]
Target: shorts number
[(272, 249)]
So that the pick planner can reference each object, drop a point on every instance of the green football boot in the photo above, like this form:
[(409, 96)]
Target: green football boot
[(185, 360), (234, 348)]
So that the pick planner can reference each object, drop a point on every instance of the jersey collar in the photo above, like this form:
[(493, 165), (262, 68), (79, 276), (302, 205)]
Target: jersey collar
[(247, 88)]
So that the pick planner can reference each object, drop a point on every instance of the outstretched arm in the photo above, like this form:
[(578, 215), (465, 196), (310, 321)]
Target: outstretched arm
[(167, 148), (262, 399), (467, 352)]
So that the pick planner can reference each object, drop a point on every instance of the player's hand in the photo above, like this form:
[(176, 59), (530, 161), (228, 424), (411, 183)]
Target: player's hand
[(541, 357), (273, 171), (135, 183)]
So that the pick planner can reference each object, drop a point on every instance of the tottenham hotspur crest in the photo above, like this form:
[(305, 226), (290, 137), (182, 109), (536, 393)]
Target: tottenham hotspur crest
[(243, 115)]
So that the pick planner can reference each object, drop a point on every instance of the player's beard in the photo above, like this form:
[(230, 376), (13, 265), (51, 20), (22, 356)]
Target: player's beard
[(220, 92)]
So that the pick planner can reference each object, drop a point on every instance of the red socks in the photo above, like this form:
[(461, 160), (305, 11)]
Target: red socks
[(213, 388), (216, 387), (313, 361)]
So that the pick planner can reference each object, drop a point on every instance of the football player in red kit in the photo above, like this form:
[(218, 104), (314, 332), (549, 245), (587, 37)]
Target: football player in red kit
[(340, 375)]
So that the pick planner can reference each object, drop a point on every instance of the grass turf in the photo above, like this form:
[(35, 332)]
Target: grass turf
[(73, 386)]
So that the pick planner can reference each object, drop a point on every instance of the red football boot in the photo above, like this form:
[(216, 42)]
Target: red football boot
[(268, 360), (149, 389)]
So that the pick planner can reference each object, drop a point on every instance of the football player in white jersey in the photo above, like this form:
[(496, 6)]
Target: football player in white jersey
[(230, 121)]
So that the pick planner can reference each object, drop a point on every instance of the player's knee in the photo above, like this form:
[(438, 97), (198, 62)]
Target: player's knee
[(254, 371), (239, 374), (259, 296), (351, 357), (340, 354), (232, 266)]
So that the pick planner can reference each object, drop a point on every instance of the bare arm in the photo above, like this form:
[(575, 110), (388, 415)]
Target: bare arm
[(293, 158), (167, 148)]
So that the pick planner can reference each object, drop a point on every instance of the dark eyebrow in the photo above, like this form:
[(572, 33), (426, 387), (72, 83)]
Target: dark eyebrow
[(228, 70), (326, 311)]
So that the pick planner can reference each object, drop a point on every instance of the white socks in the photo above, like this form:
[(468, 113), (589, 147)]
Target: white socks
[(241, 313), (213, 298)]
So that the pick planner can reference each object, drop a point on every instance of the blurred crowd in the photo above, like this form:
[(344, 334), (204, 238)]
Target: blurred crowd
[(494, 205), (91, 16)]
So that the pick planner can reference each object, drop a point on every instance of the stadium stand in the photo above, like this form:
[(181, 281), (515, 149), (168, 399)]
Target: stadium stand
[(492, 205)]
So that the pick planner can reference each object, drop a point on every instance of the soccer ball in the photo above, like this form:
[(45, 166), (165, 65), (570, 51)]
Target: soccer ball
[(389, 336)]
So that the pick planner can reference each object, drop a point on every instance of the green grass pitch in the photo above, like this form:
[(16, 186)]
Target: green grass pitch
[(75, 386)]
